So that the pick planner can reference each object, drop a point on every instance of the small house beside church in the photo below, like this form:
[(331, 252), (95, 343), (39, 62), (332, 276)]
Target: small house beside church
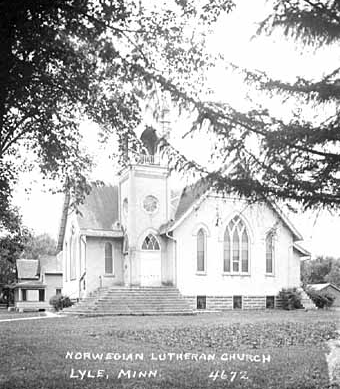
[(329, 289), (38, 280)]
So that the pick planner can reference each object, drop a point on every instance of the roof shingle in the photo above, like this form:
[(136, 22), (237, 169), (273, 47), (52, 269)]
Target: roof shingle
[(100, 209), (28, 268), (189, 195)]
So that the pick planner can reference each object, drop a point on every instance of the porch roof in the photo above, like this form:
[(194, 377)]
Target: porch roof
[(28, 285)]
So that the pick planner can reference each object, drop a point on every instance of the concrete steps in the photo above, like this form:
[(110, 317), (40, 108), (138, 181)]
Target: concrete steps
[(132, 301), (306, 301)]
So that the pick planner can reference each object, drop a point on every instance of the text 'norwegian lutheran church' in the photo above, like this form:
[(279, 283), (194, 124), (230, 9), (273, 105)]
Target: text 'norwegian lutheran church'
[(138, 248)]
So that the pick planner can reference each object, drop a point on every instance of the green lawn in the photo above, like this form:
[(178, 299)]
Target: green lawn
[(4, 315), (271, 349)]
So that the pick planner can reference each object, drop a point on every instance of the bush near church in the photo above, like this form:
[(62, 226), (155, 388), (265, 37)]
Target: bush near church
[(320, 299), (290, 298), (59, 302)]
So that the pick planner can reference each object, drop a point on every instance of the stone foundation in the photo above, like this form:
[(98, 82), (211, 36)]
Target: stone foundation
[(225, 303), (253, 302)]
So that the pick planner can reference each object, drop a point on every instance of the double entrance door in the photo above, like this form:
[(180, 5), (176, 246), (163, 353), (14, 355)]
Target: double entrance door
[(150, 268)]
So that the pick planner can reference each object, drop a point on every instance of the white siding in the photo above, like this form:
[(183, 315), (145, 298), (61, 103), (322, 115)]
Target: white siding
[(259, 219)]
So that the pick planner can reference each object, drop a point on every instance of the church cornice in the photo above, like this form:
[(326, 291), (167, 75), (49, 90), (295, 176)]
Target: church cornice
[(103, 233)]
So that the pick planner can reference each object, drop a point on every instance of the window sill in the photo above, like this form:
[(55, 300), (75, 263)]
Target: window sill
[(236, 274), (201, 273), (109, 275), (269, 275)]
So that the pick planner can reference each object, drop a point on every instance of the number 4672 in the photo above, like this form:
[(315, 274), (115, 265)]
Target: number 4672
[(228, 375)]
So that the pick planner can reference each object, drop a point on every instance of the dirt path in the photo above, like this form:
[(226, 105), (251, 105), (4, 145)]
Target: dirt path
[(48, 315)]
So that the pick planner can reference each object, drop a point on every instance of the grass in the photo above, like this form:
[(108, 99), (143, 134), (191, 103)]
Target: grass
[(33, 352), (4, 315)]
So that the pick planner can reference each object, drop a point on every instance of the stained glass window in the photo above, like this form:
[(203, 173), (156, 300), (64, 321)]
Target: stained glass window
[(150, 243), (269, 253), (201, 250), (236, 247)]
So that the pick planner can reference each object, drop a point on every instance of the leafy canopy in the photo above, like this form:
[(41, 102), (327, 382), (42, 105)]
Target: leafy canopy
[(299, 157), (321, 270), (65, 60), (294, 158), (62, 61), (14, 237)]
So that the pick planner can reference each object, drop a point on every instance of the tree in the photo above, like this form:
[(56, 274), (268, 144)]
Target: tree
[(321, 270), (293, 158), (20, 242), (13, 239), (315, 271), (39, 245), (63, 60), (297, 158), (334, 275)]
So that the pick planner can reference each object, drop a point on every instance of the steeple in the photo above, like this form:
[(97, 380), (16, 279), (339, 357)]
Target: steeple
[(150, 152), (144, 207)]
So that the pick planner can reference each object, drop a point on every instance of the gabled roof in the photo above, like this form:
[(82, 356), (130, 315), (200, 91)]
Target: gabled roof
[(51, 264), (189, 196), (193, 195), (100, 209), (99, 212), (285, 220), (63, 220), (320, 287), (28, 268)]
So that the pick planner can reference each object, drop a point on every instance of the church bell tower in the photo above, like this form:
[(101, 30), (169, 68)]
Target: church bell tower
[(144, 207)]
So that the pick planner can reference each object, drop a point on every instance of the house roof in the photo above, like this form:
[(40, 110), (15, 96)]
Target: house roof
[(99, 212), (28, 268), (320, 287)]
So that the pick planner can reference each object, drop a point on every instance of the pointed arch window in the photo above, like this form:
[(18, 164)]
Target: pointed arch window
[(270, 253), (201, 250), (236, 247), (150, 243), (108, 258)]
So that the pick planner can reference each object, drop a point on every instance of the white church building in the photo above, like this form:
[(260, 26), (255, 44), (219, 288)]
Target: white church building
[(219, 252)]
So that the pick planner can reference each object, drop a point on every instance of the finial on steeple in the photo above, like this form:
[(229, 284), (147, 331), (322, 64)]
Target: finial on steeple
[(165, 118)]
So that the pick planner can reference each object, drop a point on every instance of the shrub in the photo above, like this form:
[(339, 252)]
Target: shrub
[(320, 299), (290, 299), (59, 302)]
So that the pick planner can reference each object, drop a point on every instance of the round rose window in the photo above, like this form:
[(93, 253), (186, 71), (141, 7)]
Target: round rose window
[(150, 204)]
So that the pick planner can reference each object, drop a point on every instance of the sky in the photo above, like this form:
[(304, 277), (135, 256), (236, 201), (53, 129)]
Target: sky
[(279, 57)]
